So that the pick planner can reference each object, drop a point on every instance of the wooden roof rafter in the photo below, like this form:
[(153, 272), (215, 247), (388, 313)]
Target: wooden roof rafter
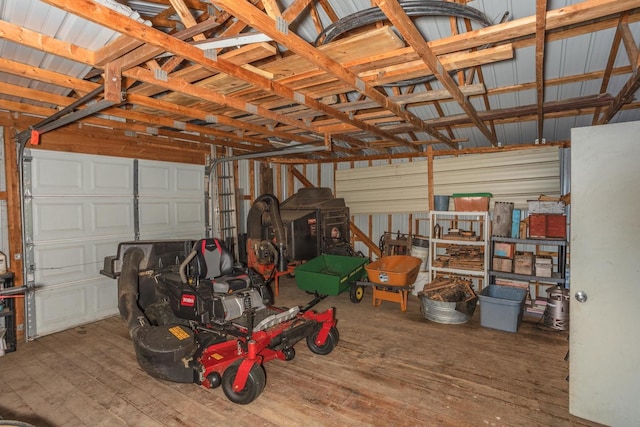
[(399, 18), (111, 19), (541, 24), (269, 26)]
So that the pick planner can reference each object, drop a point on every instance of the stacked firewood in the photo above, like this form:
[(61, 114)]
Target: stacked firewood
[(449, 289), (461, 257)]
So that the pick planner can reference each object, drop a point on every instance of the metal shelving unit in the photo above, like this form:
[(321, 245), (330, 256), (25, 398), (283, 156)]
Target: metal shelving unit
[(558, 277), (476, 221), (8, 313)]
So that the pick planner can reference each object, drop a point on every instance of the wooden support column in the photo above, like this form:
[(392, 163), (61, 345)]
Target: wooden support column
[(14, 221)]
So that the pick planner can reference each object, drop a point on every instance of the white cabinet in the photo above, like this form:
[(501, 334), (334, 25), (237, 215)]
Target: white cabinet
[(462, 246)]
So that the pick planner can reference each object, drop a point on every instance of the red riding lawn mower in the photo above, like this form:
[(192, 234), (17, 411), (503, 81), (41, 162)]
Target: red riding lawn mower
[(195, 317)]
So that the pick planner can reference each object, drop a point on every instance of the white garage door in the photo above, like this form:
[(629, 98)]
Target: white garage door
[(81, 207)]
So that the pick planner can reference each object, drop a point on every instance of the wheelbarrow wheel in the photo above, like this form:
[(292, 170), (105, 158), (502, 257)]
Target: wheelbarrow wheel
[(256, 381), (356, 293), (329, 344)]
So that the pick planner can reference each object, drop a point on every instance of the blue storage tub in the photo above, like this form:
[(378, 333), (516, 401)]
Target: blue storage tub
[(501, 307)]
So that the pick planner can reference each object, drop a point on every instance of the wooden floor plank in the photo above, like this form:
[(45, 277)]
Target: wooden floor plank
[(389, 368)]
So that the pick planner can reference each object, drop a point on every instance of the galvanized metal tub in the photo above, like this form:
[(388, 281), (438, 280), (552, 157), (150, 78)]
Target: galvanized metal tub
[(453, 313)]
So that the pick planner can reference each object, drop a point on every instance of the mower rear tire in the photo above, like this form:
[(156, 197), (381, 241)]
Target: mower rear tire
[(329, 344), (256, 381)]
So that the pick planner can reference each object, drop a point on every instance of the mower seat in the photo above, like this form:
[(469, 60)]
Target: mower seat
[(214, 262)]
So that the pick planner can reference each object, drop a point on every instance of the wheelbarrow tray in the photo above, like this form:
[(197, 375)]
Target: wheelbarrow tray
[(330, 274), (394, 270)]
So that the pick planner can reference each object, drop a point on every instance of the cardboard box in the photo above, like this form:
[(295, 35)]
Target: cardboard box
[(523, 263), (544, 266), (502, 264), (502, 249)]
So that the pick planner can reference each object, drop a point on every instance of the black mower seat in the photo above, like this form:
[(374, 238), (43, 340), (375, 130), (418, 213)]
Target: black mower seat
[(214, 262)]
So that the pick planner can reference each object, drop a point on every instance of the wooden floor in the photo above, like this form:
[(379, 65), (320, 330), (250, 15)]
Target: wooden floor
[(389, 369)]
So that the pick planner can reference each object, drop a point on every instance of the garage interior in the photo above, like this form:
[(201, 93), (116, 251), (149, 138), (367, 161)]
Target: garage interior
[(127, 120)]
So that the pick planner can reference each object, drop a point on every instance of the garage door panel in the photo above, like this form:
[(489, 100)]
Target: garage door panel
[(62, 307), (57, 176), (190, 181), (56, 218), (83, 206), (57, 173), (154, 215), (112, 217), (113, 178), (190, 213), (160, 178), (59, 264)]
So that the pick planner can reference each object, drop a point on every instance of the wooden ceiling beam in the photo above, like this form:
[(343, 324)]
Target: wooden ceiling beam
[(615, 46), (146, 52), (186, 17), (111, 19), (51, 77), (629, 44), (403, 23), (582, 13), (294, 10), (541, 24), (262, 22), (45, 43)]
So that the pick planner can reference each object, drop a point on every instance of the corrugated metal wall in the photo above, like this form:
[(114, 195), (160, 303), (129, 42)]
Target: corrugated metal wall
[(384, 197), (396, 188), (511, 176)]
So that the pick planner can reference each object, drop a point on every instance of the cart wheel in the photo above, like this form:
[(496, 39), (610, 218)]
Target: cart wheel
[(329, 344), (289, 353), (356, 293), (252, 389)]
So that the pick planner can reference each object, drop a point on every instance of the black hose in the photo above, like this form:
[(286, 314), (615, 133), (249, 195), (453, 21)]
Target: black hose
[(268, 203), (413, 8), (128, 291)]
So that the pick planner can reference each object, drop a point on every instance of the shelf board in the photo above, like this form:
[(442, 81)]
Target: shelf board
[(478, 273), (460, 242), (547, 242), (527, 278)]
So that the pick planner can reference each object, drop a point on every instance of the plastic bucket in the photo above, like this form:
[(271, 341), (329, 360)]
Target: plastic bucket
[(420, 249), (441, 203)]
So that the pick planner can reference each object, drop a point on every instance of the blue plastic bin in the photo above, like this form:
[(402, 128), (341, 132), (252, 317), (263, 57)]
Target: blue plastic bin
[(501, 307)]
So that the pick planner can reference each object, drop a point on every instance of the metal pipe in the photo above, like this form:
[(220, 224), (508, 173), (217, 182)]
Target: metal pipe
[(24, 136), (299, 149), (13, 291)]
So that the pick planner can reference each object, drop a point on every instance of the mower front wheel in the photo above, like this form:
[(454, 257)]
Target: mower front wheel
[(329, 344), (289, 353), (253, 387)]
